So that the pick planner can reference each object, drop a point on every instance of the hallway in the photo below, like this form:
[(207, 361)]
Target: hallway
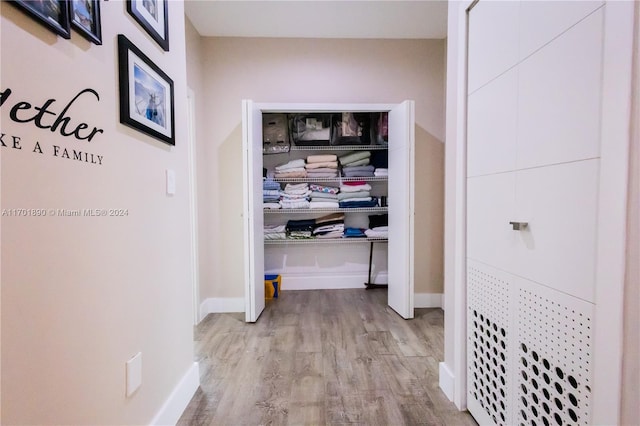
[(322, 357)]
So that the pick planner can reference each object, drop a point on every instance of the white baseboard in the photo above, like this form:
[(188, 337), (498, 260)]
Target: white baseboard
[(427, 300), (175, 405), (328, 281), (446, 380), (215, 305)]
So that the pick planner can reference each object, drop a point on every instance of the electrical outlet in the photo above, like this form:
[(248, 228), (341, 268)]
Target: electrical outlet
[(134, 374)]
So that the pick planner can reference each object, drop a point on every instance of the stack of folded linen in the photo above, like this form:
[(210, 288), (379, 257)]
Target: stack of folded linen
[(354, 233), (381, 172), (358, 171), (378, 226), (322, 166), (292, 169), (300, 229), (356, 164), (329, 226), (295, 196), (323, 197), (270, 194), (351, 204), (275, 232), (355, 194), (356, 158)]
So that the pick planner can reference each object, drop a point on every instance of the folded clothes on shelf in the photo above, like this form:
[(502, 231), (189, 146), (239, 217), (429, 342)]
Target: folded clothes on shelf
[(322, 188), (381, 172), (358, 194), (363, 162), (323, 196), (353, 156), (372, 233), (344, 188), (354, 233), (330, 219), (359, 204), (291, 175), (300, 225), (358, 171), (294, 204), (270, 184), (293, 164), (323, 229), (321, 158), (271, 205), (326, 164), (330, 235)]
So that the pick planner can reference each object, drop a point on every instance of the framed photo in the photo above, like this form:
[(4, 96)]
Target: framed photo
[(85, 18), (53, 14), (146, 94), (153, 16)]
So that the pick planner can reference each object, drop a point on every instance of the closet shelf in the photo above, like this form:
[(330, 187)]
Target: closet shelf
[(325, 241), (339, 148), (312, 211), (335, 179)]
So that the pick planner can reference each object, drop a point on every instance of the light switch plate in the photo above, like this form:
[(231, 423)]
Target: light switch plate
[(171, 182), (134, 374)]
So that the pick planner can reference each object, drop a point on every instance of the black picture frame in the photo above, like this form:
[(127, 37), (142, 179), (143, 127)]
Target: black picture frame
[(85, 18), (153, 16), (146, 94), (53, 14)]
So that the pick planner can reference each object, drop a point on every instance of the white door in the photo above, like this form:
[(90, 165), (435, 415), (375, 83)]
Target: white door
[(533, 156), (252, 214), (401, 208)]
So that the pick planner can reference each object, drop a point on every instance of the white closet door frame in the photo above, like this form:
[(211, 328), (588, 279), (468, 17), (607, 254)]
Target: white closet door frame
[(401, 296), (610, 264)]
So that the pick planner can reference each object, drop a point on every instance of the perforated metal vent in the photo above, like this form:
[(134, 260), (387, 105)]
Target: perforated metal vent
[(554, 358), (488, 317)]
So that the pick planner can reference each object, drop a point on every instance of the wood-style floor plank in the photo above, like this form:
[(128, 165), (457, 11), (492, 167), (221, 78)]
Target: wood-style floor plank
[(317, 357)]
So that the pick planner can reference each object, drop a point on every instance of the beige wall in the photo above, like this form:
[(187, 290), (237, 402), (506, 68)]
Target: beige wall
[(313, 70), (81, 295)]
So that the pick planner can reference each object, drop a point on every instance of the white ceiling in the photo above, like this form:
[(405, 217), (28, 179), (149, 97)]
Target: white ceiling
[(319, 19)]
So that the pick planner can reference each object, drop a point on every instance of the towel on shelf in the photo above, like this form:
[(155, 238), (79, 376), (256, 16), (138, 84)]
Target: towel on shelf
[(297, 193), (354, 188), (357, 173), (358, 194), (318, 175), (271, 205), (363, 162), (294, 204), (324, 196), (321, 158), (270, 185), (359, 204), (321, 188), (381, 172), (329, 228), (295, 186), (269, 229), (330, 235), (354, 233), (328, 165), (272, 192), (275, 236), (293, 164), (300, 235), (356, 199), (289, 175), (354, 156), (371, 233)]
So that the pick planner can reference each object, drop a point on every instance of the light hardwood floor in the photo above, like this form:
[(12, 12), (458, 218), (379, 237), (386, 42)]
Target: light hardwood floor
[(322, 357)]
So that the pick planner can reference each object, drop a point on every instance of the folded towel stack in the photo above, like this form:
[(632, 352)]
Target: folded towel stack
[(300, 229), (295, 196), (292, 169), (270, 194), (275, 232), (378, 226), (329, 226), (381, 172), (322, 166)]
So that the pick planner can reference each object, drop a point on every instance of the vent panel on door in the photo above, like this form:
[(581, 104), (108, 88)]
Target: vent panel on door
[(554, 333), (488, 318)]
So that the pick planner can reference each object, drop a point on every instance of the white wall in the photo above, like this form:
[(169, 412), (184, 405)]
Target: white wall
[(81, 295), (313, 70)]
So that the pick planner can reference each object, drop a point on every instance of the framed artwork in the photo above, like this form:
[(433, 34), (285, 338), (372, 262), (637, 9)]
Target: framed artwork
[(53, 14), (152, 15), (146, 94), (85, 18)]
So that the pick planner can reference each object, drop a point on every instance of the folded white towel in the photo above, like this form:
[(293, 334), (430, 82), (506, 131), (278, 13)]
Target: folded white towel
[(293, 164), (355, 188)]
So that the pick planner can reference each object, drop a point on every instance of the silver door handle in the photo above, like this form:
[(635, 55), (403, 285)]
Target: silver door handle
[(518, 226)]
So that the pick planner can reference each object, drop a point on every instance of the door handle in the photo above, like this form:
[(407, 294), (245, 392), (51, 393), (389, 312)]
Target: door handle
[(519, 226)]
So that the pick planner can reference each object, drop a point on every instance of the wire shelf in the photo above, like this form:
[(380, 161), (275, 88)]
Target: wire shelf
[(354, 240), (344, 210), (340, 148), (335, 179)]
